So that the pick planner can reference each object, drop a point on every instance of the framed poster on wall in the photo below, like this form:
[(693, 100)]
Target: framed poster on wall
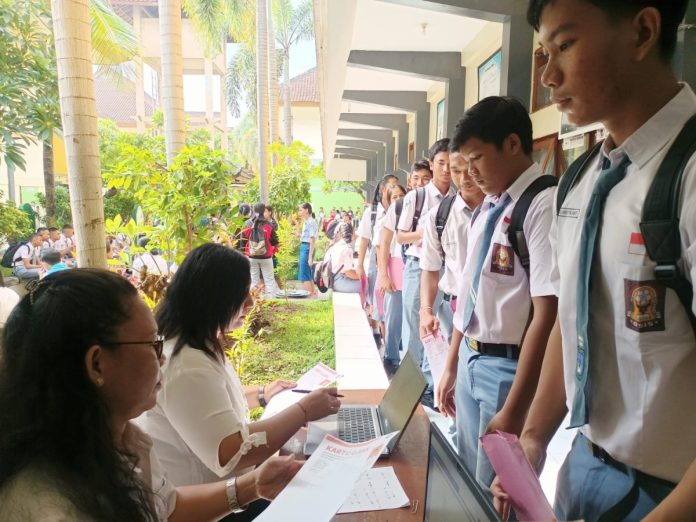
[(440, 129), (489, 76)]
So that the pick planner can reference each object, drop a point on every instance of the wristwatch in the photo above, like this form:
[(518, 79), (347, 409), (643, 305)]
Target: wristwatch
[(232, 502), (262, 396)]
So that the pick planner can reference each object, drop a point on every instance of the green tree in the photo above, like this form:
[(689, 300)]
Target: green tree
[(14, 223)]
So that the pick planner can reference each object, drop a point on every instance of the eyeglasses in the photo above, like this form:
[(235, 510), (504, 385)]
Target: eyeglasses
[(157, 344)]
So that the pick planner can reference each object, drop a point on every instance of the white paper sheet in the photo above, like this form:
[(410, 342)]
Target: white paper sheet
[(320, 376), (325, 481), (377, 489), (436, 348)]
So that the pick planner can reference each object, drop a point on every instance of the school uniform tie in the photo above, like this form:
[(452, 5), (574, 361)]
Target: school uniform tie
[(608, 178), (491, 220)]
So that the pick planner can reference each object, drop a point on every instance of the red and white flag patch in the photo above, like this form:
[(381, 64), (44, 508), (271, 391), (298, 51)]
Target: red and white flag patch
[(636, 245)]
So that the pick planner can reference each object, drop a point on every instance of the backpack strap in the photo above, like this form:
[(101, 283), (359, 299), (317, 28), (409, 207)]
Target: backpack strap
[(573, 174), (515, 231), (443, 211), (420, 199), (660, 218), (398, 207)]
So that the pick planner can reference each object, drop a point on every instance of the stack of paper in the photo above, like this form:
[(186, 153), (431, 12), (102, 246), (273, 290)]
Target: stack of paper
[(320, 376), (376, 489), (436, 347)]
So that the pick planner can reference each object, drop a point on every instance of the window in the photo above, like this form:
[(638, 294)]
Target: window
[(541, 96)]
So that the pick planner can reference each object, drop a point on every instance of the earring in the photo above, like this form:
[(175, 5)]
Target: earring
[(100, 382)]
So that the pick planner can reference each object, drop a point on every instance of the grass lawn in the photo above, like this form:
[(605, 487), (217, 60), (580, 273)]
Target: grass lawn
[(299, 335), (334, 199)]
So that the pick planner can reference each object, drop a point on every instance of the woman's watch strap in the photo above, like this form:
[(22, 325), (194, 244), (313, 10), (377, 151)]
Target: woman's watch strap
[(262, 396)]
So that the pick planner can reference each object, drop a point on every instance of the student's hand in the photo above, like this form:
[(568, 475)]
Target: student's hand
[(536, 455), (507, 422), (274, 474), (275, 387), (445, 393), (360, 270), (385, 284), (320, 403), (310, 262), (428, 322)]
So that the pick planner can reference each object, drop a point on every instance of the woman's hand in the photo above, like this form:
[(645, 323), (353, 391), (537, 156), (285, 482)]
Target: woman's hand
[(274, 474), (320, 403), (445, 393), (274, 388)]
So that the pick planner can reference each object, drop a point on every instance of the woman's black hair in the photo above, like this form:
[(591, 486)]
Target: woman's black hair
[(347, 232), (380, 188), (206, 293), (307, 207), (52, 417), (394, 187)]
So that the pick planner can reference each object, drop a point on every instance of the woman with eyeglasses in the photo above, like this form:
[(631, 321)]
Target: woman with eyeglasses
[(68, 448), (200, 425)]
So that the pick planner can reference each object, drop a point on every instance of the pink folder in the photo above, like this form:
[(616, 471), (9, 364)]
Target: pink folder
[(396, 272), (517, 476)]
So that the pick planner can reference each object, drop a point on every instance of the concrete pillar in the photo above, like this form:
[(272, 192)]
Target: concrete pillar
[(516, 63), (390, 155), (139, 80), (210, 120), (684, 62)]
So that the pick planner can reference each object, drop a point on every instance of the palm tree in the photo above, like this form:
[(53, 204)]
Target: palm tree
[(262, 94), (292, 24), (71, 21), (272, 79)]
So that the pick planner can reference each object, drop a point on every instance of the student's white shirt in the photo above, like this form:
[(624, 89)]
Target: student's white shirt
[(389, 223), (26, 251), (8, 300), (432, 198), (155, 264), (504, 297), (49, 243), (365, 226), (341, 256), (642, 347), (452, 247), (200, 403)]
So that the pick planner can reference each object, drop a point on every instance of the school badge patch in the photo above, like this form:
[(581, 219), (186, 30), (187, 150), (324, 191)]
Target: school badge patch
[(503, 260), (645, 305)]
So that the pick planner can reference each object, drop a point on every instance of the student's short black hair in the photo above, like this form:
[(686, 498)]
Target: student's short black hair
[(421, 165), (671, 11), (437, 147), (52, 229), (40, 229), (66, 226), (50, 256), (492, 120)]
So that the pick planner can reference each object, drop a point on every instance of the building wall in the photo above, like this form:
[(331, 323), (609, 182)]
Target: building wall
[(306, 127), (27, 181)]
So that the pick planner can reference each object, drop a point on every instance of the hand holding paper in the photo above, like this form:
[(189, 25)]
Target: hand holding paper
[(436, 347), (516, 476)]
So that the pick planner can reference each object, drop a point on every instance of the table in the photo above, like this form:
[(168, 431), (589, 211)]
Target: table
[(409, 459)]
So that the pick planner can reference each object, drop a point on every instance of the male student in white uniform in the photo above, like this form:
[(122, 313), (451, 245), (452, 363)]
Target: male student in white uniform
[(431, 194), (27, 262), (448, 249), (504, 314), (610, 62)]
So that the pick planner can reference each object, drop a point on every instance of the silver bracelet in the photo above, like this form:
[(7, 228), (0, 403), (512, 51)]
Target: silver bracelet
[(232, 502)]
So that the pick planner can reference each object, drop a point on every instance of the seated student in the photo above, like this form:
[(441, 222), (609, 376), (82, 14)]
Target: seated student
[(346, 278), (152, 262), (26, 259), (53, 238), (66, 242), (68, 448), (51, 262), (200, 425)]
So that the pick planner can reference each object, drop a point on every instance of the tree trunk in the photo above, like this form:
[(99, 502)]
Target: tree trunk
[(172, 77), (49, 182), (287, 108), (71, 28), (262, 94), (273, 82)]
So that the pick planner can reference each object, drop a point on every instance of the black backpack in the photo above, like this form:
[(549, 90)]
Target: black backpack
[(444, 209), (659, 223), (515, 231), (8, 257), (324, 276)]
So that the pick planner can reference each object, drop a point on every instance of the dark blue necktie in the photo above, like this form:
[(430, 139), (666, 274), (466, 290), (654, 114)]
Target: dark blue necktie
[(491, 220), (608, 178)]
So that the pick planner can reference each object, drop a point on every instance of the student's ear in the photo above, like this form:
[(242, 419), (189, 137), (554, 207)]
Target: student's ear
[(647, 25), (514, 144), (94, 366)]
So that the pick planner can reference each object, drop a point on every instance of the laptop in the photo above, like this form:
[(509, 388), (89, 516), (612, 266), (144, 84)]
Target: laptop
[(452, 494), (361, 422)]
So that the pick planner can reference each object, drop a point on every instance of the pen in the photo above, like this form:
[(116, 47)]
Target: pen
[(310, 391)]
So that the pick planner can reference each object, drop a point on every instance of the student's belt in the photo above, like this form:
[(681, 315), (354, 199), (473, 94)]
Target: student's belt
[(508, 351), (623, 507)]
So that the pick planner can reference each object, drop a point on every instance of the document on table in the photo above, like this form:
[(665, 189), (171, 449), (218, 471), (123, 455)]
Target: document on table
[(517, 477), (318, 377), (325, 481), (436, 347), (376, 489)]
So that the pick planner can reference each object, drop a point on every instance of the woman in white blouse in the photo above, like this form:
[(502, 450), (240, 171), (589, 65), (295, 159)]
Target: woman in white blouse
[(68, 451), (200, 425)]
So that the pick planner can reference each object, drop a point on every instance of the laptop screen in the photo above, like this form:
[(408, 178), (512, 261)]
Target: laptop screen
[(452, 494), (402, 397)]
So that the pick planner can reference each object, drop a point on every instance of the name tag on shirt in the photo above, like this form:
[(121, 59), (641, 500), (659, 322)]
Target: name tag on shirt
[(569, 212)]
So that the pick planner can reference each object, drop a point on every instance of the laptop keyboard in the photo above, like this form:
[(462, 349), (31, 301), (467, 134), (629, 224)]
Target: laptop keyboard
[(355, 424)]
